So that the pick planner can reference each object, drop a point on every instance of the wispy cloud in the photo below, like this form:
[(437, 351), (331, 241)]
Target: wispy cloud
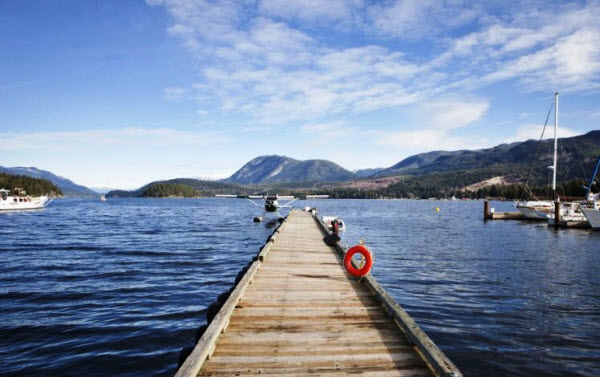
[(127, 137), (324, 133), (263, 59), (430, 139), (534, 131), (456, 114), (415, 19), (436, 130), (174, 93)]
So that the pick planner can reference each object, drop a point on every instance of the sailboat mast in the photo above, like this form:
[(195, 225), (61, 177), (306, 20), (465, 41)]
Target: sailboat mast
[(555, 144)]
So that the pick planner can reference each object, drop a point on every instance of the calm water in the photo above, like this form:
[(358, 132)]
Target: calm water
[(117, 288)]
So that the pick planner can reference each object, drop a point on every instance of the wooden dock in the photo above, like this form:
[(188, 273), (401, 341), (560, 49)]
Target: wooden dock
[(297, 312), (490, 214)]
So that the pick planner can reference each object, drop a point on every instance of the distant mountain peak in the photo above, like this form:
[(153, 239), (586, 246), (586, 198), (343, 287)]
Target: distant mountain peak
[(282, 169)]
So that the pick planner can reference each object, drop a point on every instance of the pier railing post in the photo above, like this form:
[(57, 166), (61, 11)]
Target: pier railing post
[(556, 214), (486, 210)]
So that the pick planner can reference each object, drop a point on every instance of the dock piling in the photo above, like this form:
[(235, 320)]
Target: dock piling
[(556, 214), (486, 210)]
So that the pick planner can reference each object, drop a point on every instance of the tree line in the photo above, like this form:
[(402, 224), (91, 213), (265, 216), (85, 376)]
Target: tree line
[(33, 186), (167, 190)]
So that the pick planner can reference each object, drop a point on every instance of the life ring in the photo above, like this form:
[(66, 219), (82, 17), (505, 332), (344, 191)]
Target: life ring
[(359, 272)]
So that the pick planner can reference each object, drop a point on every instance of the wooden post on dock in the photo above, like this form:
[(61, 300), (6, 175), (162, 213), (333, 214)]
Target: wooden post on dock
[(556, 214), (486, 210)]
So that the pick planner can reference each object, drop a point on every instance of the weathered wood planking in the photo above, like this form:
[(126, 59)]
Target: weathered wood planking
[(297, 312)]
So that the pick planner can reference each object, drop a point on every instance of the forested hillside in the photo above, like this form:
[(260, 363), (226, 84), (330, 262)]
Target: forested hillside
[(33, 186)]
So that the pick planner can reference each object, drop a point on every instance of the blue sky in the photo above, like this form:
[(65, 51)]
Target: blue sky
[(120, 93)]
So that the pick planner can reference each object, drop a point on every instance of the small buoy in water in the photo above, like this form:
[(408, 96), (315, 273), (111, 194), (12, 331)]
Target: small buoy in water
[(257, 219), (437, 209)]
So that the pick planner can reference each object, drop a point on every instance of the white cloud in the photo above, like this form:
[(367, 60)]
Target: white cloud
[(78, 140), (414, 19), (534, 131), (311, 10), (435, 131), (264, 60), (456, 114), (429, 140), (325, 132), (174, 93)]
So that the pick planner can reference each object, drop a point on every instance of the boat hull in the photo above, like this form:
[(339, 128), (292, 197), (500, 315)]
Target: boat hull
[(34, 203), (534, 213), (593, 217)]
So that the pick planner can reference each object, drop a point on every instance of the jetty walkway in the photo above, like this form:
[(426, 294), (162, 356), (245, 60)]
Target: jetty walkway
[(297, 312)]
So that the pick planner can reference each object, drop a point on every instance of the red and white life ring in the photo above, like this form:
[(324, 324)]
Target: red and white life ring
[(362, 271)]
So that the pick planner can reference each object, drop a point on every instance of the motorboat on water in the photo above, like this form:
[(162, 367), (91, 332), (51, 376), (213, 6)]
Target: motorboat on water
[(102, 198), (330, 220), (21, 201)]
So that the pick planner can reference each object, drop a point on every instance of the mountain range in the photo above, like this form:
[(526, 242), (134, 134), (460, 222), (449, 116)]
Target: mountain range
[(463, 168), (576, 156)]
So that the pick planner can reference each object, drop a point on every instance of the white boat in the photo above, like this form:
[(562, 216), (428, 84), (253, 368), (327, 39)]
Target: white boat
[(19, 202), (593, 216), (570, 213), (536, 209), (328, 221), (102, 198)]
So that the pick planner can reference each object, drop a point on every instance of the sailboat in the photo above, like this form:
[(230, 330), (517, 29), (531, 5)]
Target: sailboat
[(541, 209)]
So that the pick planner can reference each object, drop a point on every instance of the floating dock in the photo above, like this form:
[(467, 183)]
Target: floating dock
[(489, 214), (297, 312)]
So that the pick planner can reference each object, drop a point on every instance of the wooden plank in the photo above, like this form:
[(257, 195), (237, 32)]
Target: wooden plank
[(299, 321), (413, 372)]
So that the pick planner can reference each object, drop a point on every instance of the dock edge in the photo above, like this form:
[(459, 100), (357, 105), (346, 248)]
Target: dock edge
[(436, 360), (205, 347)]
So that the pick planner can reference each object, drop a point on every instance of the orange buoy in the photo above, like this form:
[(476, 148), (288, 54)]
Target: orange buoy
[(362, 271)]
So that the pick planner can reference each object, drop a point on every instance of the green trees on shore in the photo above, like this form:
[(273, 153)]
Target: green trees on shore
[(461, 184), (423, 190), (166, 190), (33, 186)]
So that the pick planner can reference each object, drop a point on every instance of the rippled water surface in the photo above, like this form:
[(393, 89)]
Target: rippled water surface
[(118, 288)]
